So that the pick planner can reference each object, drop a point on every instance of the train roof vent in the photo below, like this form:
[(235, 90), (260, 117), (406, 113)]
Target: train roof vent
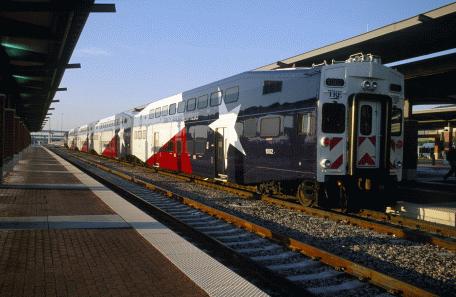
[(360, 57)]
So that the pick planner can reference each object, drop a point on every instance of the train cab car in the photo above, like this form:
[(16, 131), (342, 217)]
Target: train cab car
[(360, 131), (112, 135)]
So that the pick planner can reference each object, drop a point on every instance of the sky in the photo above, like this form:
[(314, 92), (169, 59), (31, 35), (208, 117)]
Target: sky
[(148, 50)]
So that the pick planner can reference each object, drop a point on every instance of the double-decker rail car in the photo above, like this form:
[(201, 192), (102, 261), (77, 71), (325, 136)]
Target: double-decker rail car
[(112, 135), (329, 134)]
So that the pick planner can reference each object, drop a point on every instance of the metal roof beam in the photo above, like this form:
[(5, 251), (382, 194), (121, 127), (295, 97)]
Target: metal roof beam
[(103, 8), (13, 28), (33, 6), (61, 89)]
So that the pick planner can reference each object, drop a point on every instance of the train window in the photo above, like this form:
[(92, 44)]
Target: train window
[(231, 94), (365, 120), (199, 146), (270, 127), (191, 104), (181, 106), (333, 118), (172, 108), (216, 98), (272, 86), (151, 114), (190, 147), (239, 127), (250, 128), (157, 112), (306, 123), (165, 110), (202, 102), (396, 122), (144, 134)]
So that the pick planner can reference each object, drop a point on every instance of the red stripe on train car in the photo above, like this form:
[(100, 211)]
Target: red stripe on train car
[(336, 164), (366, 159), (334, 141)]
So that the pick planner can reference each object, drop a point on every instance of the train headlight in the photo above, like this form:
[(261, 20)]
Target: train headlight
[(325, 163), (398, 164), (367, 85), (325, 141)]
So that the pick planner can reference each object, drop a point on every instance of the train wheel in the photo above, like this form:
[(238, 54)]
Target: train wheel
[(306, 193)]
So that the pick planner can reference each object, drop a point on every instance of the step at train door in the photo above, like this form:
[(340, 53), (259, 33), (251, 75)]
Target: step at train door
[(220, 152), (369, 134)]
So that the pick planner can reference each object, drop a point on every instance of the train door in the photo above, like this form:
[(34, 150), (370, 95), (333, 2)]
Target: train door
[(179, 152), (146, 143), (220, 152), (118, 143), (369, 134)]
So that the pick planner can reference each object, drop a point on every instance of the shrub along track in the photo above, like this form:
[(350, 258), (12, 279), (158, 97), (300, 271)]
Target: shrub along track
[(137, 175)]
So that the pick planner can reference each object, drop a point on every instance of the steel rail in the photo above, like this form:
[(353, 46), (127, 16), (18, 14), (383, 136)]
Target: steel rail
[(401, 227), (267, 278), (379, 279)]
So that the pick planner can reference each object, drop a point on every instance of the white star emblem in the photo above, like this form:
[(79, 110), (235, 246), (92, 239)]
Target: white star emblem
[(227, 120)]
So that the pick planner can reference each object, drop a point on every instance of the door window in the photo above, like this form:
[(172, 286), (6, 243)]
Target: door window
[(365, 120)]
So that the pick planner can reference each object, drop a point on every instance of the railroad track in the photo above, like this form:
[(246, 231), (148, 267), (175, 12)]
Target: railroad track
[(400, 227), (290, 262)]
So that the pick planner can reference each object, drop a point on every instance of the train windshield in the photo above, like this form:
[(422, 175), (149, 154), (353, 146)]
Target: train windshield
[(333, 118)]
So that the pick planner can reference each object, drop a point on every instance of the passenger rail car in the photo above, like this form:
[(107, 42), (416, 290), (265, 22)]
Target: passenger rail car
[(329, 134), (112, 135)]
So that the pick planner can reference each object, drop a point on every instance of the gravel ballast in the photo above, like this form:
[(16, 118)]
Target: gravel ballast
[(424, 265)]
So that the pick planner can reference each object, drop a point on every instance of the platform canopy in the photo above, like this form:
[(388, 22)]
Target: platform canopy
[(37, 39), (426, 33), (436, 118), (431, 81)]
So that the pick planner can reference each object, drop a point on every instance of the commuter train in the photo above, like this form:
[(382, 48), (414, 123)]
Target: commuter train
[(331, 134)]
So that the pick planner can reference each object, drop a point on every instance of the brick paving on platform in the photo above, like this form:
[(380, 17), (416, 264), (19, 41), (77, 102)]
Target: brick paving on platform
[(75, 262)]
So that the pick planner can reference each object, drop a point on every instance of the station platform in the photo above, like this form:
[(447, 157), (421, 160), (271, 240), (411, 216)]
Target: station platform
[(62, 233), (429, 197)]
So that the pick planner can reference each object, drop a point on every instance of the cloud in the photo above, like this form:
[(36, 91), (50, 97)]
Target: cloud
[(91, 52)]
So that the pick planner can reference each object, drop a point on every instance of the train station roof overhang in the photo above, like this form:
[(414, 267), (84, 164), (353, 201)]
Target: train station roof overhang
[(37, 39), (436, 118), (428, 81)]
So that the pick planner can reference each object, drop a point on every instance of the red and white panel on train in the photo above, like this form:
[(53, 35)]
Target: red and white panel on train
[(159, 135), (112, 135)]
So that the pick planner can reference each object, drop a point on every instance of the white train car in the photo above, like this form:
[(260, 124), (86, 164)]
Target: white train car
[(154, 127), (112, 135)]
